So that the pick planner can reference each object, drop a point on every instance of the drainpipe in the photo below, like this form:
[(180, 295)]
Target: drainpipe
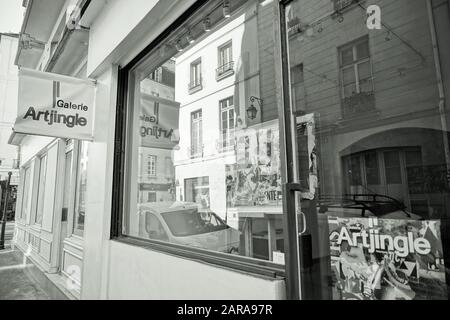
[(437, 64)]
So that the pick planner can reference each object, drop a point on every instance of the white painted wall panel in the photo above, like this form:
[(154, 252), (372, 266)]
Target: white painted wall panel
[(138, 273), (49, 194)]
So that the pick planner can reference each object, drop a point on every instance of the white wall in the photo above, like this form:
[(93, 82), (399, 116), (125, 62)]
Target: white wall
[(8, 103), (113, 270), (99, 188), (124, 28), (138, 273)]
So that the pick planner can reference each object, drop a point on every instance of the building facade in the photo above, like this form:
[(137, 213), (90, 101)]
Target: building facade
[(9, 155), (9, 160), (244, 149)]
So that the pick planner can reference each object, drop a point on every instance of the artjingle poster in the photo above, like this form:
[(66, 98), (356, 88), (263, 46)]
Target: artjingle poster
[(386, 259)]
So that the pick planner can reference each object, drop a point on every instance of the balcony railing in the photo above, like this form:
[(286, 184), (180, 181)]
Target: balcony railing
[(358, 104), (195, 85), (225, 70), (340, 5)]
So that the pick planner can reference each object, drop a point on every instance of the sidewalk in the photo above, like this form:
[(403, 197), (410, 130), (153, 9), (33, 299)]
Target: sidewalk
[(15, 284)]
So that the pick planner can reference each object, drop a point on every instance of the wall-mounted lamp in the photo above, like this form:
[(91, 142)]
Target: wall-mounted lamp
[(226, 9), (320, 28), (252, 111), (207, 25), (388, 36)]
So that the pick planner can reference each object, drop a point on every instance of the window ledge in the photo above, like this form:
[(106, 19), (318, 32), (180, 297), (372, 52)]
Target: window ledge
[(224, 74), (260, 268), (196, 156), (195, 88)]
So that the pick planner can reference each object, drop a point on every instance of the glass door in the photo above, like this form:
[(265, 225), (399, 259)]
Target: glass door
[(368, 149)]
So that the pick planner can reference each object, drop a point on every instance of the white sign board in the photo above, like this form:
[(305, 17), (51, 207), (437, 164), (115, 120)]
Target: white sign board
[(159, 122), (54, 105)]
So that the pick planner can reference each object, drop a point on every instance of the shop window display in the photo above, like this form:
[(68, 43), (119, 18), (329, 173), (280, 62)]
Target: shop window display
[(374, 159)]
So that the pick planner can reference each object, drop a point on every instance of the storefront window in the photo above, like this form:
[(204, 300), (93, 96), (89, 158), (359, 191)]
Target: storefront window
[(375, 160), (217, 181), (41, 189), (80, 204), (26, 199)]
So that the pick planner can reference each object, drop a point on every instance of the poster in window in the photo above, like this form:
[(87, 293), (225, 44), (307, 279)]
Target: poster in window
[(307, 155), (255, 179), (386, 259)]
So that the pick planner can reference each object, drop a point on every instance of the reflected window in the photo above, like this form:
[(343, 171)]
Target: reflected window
[(197, 190), (356, 77), (80, 202), (225, 62), (227, 122), (196, 133), (26, 199), (217, 168), (41, 189), (151, 165), (196, 75)]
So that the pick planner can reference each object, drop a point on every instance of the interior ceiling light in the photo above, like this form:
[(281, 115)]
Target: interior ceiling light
[(226, 9), (207, 25), (178, 46), (189, 38)]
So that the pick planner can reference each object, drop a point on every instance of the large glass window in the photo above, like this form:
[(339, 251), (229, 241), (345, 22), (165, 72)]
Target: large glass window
[(68, 166), (41, 189), (227, 122), (26, 199), (226, 63), (80, 204), (372, 142), (196, 75), (196, 133), (217, 185)]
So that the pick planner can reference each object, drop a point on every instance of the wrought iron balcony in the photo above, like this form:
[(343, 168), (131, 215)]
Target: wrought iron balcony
[(340, 5), (225, 70)]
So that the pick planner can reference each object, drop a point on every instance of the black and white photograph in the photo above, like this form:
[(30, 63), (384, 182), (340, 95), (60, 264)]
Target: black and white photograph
[(225, 155)]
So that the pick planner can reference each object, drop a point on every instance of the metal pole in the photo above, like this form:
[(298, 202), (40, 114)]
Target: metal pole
[(5, 207)]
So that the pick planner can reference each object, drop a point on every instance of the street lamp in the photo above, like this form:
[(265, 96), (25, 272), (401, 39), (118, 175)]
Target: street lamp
[(5, 208), (252, 111)]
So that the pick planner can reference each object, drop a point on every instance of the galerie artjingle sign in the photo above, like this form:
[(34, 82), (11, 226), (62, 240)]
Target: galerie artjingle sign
[(55, 105), (386, 259)]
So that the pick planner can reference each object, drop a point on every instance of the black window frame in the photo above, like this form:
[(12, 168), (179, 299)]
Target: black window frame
[(236, 263)]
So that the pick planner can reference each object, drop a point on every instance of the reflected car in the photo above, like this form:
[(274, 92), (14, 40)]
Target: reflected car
[(186, 224), (365, 205)]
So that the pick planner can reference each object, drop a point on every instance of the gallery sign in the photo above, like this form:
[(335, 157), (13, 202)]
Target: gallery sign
[(386, 259), (158, 122), (54, 105)]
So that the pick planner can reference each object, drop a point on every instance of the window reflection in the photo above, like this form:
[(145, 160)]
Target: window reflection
[(380, 141), (201, 172)]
